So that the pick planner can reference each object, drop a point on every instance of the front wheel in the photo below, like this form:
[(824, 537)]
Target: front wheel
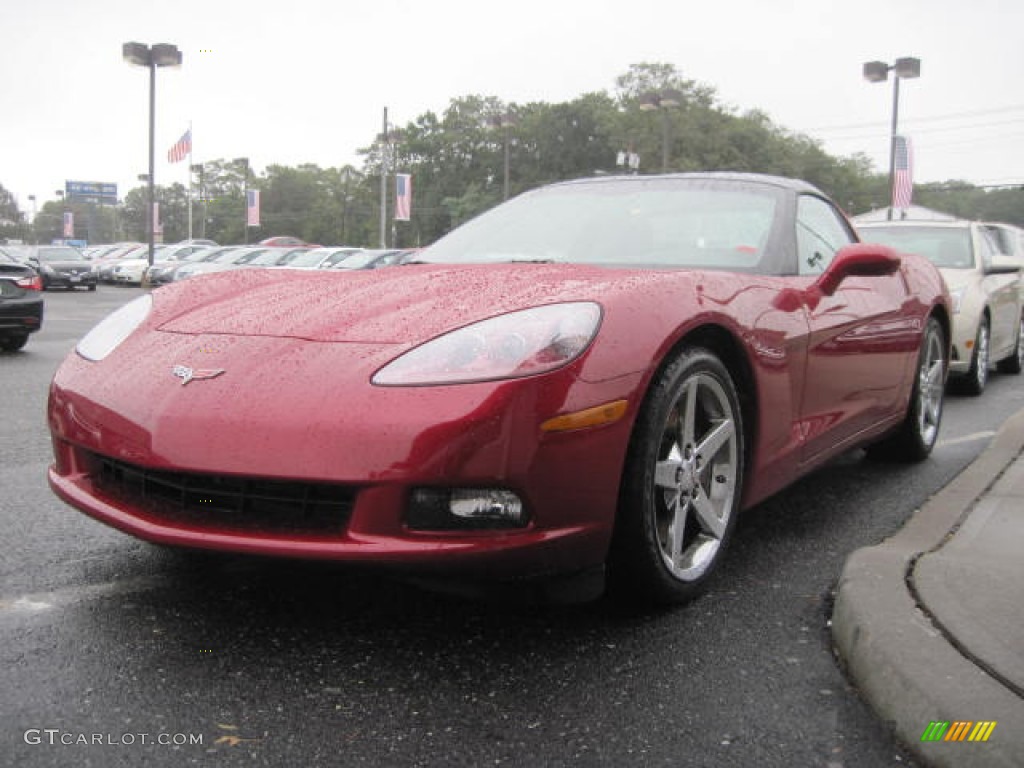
[(977, 375), (920, 429), (683, 482)]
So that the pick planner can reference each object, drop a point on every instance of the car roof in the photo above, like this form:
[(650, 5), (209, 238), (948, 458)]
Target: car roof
[(795, 185), (957, 224)]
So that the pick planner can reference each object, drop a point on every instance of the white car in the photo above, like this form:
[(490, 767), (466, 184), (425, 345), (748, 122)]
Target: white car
[(230, 259), (988, 319)]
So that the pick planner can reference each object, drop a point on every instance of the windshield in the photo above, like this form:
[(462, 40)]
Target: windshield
[(948, 247), (704, 223), (60, 254)]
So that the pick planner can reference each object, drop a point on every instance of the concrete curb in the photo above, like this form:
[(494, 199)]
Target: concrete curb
[(903, 665)]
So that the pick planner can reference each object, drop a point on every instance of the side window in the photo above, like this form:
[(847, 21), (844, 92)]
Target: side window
[(987, 248), (820, 232)]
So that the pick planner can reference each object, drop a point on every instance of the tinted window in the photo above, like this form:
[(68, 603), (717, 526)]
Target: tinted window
[(820, 232)]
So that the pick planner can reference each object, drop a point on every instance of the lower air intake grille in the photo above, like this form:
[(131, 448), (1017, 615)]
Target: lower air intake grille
[(227, 502)]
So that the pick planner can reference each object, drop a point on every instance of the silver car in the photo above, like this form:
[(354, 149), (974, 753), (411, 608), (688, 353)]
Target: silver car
[(985, 284)]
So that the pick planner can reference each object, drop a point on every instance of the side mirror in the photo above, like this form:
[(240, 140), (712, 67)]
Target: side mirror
[(859, 260), (1003, 265)]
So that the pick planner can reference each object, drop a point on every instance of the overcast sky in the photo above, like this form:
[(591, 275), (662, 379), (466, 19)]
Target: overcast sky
[(306, 80)]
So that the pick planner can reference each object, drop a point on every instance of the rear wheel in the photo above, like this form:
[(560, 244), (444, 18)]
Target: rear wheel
[(683, 482), (977, 375), (13, 343), (917, 435), (1015, 362)]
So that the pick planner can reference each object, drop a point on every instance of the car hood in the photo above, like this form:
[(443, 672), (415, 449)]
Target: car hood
[(399, 305)]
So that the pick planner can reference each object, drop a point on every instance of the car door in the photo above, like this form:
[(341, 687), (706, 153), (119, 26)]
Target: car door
[(862, 339), (1003, 298)]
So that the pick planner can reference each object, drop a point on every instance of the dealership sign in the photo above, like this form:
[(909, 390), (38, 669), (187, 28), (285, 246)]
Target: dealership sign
[(97, 192)]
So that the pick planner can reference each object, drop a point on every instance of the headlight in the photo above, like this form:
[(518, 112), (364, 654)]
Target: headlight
[(518, 344), (114, 328), (958, 297)]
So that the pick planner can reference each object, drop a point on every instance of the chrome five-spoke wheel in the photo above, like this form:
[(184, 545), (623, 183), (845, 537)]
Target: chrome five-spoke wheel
[(683, 481)]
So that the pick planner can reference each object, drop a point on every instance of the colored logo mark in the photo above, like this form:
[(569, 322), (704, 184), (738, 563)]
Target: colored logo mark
[(958, 730)]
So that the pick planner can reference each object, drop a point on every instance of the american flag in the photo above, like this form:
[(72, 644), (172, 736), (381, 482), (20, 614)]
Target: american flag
[(182, 148), (903, 173), (252, 207), (403, 196)]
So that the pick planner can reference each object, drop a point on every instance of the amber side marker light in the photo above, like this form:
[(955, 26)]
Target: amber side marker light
[(591, 417)]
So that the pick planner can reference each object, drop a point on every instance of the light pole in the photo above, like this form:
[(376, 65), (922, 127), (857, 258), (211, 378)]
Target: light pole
[(159, 55), (197, 168), (662, 101), (389, 137), (32, 229), (878, 72), (505, 121), (244, 163)]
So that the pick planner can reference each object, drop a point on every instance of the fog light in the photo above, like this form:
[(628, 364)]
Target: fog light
[(474, 509)]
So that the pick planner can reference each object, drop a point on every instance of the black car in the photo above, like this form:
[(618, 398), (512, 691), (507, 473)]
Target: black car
[(21, 303), (63, 266)]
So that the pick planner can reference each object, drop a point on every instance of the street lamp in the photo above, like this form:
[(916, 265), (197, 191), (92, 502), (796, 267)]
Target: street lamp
[(664, 101), (878, 72), (388, 138), (159, 55), (198, 169), (32, 228), (244, 163)]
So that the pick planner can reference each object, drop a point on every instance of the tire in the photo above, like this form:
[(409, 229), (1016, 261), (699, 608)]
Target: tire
[(1015, 362), (977, 375), (92, 286), (13, 343), (682, 485), (917, 435)]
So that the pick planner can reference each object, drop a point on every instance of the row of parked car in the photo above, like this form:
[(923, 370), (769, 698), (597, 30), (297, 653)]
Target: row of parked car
[(128, 264)]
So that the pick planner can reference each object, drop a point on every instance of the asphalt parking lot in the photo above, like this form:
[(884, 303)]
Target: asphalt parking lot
[(280, 663)]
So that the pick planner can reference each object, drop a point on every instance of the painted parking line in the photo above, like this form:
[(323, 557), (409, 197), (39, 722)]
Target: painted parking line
[(967, 438)]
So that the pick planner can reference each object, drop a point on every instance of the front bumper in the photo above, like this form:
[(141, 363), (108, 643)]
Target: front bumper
[(378, 445)]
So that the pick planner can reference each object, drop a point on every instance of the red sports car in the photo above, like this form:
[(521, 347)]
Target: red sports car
[(593, 378)]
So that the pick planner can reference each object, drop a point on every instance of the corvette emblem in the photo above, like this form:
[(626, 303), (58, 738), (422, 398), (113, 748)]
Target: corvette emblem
[(187, 374)]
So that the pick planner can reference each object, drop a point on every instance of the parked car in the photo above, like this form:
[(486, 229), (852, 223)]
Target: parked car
[(373, 258), (285, 242), (595, 373), (988, 308), (21, 302), (319, 258), (132, 271), (61, 266), (1009, 240), (105, 264), (230, 259), (165, 272)]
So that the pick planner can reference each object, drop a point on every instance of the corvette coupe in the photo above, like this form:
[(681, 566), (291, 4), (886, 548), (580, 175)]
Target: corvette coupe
[(586, 384)]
